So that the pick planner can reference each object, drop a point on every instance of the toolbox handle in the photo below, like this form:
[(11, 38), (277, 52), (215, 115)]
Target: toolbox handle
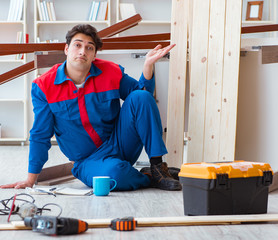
[(267, 178), (222, 181)]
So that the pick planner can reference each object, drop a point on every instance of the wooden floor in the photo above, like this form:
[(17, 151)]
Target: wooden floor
[(141, 203)]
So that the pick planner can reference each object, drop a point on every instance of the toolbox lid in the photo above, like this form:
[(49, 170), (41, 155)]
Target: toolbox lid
[(236, 169)]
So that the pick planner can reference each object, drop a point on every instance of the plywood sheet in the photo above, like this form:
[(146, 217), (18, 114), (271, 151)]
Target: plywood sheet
[(198, 79), (177, 83)]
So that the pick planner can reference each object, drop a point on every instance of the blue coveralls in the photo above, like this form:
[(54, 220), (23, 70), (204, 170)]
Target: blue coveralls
[(91, 128)]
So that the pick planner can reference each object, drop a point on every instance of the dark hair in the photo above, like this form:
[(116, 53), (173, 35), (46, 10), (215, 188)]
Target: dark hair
[(87, 30)]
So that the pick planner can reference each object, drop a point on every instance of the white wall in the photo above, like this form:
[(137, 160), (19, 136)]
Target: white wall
[(257, 124)]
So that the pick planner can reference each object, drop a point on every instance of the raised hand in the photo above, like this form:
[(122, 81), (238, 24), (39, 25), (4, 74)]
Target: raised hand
[(157, 53), (152, 57)]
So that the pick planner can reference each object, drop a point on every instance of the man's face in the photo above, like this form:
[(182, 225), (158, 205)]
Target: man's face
[(80, 52)]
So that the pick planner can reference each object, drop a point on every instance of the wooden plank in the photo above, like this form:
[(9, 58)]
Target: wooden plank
[(39, 47), (269, 54), (136, 38), (55, 172), (56, 181), (120, 27), (15, 48), (17, 72), (133, 45), (169, 221), (47, 59), (198, 80), (259, 28), (230, 80), (214, 80), (177, 83)]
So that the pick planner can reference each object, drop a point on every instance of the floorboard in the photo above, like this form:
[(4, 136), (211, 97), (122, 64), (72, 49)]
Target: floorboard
[(140, 203)]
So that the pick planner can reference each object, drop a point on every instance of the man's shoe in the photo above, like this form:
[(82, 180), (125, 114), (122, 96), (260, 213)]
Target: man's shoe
[(147, 172), (174, 172), (162, 179)]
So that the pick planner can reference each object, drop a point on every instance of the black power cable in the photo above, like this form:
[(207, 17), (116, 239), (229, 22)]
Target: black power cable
[(23, 207)]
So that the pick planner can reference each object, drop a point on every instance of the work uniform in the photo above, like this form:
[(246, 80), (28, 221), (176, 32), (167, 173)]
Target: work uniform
[(91, 127)]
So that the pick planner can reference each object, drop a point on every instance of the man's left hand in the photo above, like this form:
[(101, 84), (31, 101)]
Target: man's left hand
[(152, 57), (157, 53)]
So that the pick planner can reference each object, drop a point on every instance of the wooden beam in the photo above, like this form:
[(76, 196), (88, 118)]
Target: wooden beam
[(120, 27), (17, 72), (16, 48), (198, 80), (55, 175), (214, 80), (230, 81), (260, 28), (47, 59), (133, 45), (137, 38), (168, 221), (177, 83)]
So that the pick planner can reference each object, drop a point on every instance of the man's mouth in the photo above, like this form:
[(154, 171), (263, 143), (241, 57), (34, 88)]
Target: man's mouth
[(81, 58)]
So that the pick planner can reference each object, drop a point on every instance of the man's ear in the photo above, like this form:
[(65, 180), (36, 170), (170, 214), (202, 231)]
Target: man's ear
[(66, 49)]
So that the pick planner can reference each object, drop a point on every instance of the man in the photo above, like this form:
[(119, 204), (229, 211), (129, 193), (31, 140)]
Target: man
[(79, 102)]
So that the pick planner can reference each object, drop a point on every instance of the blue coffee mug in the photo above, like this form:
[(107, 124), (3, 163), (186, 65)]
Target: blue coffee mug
[(101, 185)]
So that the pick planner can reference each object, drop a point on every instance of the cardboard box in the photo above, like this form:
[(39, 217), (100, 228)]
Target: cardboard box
[(225, 188)]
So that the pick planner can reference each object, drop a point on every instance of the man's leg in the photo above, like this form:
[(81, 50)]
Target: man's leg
[(139, 125), (106, 162)]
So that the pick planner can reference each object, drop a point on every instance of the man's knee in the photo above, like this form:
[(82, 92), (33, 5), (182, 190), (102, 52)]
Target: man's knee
[(119, 172), (127, 177), (141, 100), (140, 96)]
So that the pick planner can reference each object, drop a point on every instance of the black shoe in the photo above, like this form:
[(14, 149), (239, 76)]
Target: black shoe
[(147, 172), (174, 172), (162, 179)]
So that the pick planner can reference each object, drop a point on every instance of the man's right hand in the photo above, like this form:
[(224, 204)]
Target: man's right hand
[(29, 182), (17, 185)]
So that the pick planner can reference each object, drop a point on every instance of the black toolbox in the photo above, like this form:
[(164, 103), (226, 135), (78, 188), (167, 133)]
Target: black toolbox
[(224, 188)]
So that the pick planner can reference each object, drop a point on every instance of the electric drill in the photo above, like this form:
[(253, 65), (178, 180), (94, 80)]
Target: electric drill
[(55, 226)]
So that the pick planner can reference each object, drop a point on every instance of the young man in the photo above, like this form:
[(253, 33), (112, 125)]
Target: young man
[(79, 102)]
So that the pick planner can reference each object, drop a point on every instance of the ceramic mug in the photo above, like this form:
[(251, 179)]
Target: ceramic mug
[(101, 185)]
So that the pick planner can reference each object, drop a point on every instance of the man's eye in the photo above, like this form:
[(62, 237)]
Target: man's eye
[(76, 44), (90, 48)]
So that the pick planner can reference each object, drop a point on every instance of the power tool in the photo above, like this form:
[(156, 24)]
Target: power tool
[(123, 224), (51, 225)]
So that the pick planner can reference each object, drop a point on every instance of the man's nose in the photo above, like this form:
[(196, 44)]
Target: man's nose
[(82, 51)]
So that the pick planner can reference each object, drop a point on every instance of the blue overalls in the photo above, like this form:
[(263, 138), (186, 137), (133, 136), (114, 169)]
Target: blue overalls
[(91, 128)]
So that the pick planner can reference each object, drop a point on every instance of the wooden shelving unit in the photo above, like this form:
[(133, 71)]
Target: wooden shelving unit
[(13, 95), (66, 17), (156, 16)]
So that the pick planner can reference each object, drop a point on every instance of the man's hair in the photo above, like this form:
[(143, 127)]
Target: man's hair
[(87, 30)]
